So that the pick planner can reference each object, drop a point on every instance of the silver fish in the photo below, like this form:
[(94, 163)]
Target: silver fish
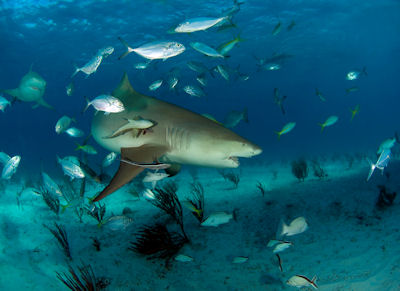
[(155, 50), (70, 169), (4, 103), (74, 132), (217, 218), (109, 159), (202, 80), (90, 67), (194, 91), (206, 50), (222, 70), (50, 185), (106, 103), (106, 51), (197, 67), (118, 222), (197, 24), (183, 258), (155, 85), (69, 89), (63, 123), (10, 168)]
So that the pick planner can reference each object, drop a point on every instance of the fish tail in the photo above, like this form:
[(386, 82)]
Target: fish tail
[(128, 48), (87, 104), (76, 71), (313, 282), (64, 207), (78, 147), (279, 133), (322, 126), (282, 229), (364, 71)]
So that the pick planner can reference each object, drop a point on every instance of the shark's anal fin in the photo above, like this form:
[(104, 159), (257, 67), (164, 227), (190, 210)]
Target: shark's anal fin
[(126, 172)]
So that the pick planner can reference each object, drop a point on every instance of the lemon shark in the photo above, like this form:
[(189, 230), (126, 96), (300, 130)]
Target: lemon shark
[(31, 89), (179, 137)]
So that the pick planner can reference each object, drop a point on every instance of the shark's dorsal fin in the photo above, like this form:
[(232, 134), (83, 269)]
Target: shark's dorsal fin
[(128, 95)]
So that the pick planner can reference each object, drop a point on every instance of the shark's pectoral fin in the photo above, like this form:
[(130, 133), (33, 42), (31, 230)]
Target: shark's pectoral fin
[(13, 92), (126, 172)]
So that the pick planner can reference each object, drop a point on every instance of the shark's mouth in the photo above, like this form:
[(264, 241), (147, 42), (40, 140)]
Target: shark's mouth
[(235, 160)]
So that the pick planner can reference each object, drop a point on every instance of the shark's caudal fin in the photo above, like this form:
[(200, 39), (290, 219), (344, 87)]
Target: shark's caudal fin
[(126, 172)]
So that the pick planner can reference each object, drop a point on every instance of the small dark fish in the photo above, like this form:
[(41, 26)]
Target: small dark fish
[(152, 166), (291, 25), (279, 262), (279, 100)]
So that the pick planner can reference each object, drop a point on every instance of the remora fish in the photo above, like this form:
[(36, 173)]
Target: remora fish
[(31, 89), (139, 124), (180, 137), (155, 50)]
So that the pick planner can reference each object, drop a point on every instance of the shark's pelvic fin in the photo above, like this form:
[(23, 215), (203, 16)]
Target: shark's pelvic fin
[(126, 172), (45, 104), (173, 170)]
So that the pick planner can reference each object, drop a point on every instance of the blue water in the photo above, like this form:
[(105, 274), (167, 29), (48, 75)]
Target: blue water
[(329, 39)]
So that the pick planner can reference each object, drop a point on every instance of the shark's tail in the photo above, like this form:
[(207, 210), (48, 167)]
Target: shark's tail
[(128, 48)]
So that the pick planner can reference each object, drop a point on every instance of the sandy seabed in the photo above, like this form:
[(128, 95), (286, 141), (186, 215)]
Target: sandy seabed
[(350, 243)]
